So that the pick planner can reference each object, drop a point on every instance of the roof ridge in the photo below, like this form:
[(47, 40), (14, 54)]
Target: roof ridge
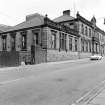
[(63, 18)]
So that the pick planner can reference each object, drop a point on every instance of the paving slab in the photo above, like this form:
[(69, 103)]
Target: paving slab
[(98, 101), (94, 97), (101, 95)]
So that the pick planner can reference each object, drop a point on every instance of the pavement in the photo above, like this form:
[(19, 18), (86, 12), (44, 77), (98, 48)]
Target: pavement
[(48, 63)]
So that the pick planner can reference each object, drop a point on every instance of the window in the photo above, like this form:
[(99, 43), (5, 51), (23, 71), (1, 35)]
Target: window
[(89, 32), (82, 29), (98, 36), (4, 42), (70, 43), (86, 33), (89, 46), (86, 46), (60, 41), (76, 45), (63, 41), (71, 24), (96, 48), (82, 45), (102, 38), (13, 40), (13, 43), (53, 39), (36, 38), (24, 40)]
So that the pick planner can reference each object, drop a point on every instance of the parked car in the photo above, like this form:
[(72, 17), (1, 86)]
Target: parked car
[(96, 57)]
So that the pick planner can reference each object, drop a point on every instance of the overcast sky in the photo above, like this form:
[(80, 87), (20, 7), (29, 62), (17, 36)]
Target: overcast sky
[(13, 12)]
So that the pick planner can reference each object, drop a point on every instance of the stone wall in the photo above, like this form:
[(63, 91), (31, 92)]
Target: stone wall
[(25, 56), (9, 58), (40, 55), (56, 55), (85, 55)]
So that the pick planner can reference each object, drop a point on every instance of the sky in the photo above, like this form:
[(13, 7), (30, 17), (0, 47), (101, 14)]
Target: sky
[(13, 12)]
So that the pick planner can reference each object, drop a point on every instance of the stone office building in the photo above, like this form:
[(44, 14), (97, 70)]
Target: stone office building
[(39, 39), (92, 38), (36, 40)]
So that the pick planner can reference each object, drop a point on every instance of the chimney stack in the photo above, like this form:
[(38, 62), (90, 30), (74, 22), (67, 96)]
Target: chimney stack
[(66, 12)]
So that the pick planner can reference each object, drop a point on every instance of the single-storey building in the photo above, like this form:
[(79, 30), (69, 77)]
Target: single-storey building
[(36, 40)]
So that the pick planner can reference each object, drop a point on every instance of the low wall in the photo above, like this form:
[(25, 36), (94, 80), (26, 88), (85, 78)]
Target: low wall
[(85, 55), (56, 55)]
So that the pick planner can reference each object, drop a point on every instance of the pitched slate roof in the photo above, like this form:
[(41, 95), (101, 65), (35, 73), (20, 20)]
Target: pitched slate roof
[(36, 20), (63, 18), (4, 28)]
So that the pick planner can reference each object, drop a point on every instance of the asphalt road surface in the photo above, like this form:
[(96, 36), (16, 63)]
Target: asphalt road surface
[(50, 84)]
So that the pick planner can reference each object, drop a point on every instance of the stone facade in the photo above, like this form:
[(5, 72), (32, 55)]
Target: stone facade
[(56, 55), (53, 41)]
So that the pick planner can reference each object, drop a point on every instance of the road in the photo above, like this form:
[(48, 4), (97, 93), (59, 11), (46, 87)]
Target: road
[(50, 84)]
